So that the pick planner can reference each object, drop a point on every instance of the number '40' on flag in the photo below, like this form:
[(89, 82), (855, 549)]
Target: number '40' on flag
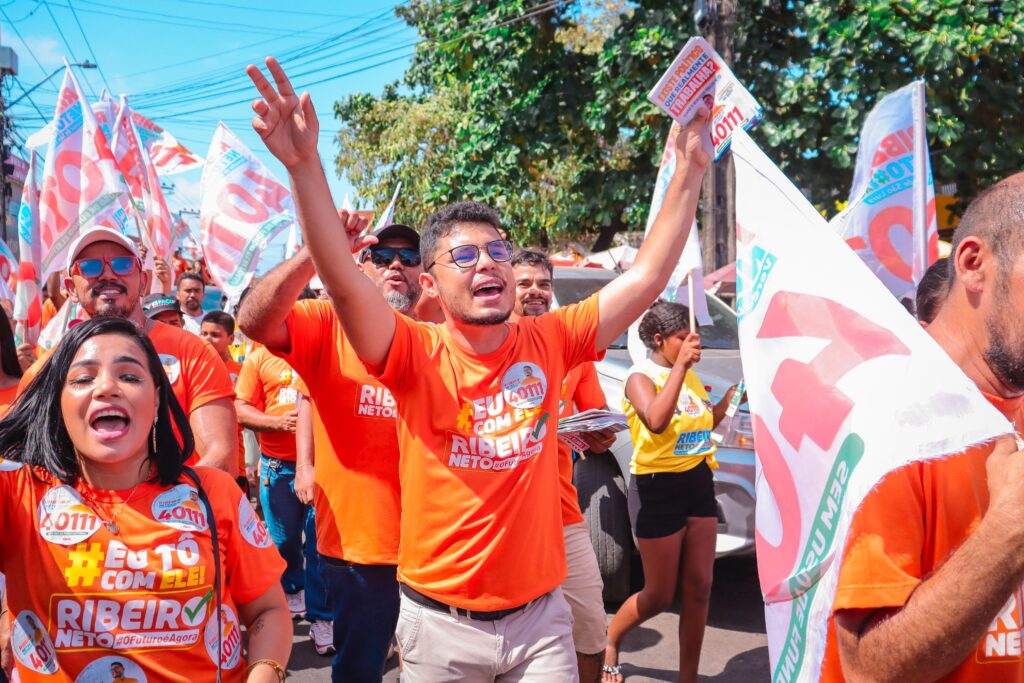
[(844, 387)]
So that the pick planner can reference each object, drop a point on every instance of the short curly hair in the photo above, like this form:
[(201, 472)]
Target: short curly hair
[(443, 222), (664, 318)]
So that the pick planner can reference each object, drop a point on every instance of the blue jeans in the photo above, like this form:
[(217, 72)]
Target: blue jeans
[(287, 518), (364, 598)]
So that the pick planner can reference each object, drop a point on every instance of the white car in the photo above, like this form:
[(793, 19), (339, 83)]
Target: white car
[(601, 478)]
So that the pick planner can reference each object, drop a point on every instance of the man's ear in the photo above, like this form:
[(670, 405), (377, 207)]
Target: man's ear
[(974, 263), (429, 285), (69, 287)]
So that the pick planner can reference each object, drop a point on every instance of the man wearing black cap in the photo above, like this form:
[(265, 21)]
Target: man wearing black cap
[(163, 308), (105, 277), (355, 482)]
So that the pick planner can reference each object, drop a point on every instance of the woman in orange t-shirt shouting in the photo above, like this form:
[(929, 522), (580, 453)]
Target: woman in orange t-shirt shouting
[(116, 555)]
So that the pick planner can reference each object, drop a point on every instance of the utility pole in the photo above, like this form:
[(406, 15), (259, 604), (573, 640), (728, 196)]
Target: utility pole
[(715, 19), (8, 67)]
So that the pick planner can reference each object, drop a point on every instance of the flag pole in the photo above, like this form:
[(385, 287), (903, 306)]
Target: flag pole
[(689, 296)]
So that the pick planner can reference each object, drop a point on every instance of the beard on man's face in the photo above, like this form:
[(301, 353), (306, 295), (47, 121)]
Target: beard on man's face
[(1005, 352)]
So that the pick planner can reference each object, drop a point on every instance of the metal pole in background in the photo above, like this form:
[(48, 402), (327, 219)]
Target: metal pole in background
[(715, 18)]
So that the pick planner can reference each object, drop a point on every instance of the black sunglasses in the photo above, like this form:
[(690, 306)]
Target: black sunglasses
[(382, 257), (467, 255)]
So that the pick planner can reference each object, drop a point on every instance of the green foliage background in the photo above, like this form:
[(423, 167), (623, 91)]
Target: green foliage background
[(540, 109)]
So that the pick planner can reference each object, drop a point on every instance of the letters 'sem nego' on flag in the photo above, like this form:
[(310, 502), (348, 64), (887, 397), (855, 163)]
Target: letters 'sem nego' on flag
[(843, 387)]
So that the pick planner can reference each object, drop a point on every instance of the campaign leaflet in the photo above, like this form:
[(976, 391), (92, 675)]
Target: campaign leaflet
[(698, 78), (593, 420)]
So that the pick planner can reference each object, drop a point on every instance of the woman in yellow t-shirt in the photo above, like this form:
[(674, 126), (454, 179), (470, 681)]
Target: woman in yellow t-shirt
[(671, 493)]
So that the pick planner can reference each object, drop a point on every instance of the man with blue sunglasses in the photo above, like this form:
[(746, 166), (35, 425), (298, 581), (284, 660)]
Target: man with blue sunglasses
[(105, 277)]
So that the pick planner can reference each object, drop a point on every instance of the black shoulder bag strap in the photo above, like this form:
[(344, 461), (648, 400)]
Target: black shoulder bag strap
[(191, 474)]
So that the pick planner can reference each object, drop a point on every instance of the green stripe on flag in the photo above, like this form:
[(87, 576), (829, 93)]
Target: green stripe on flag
[(253, 247), (804, 583)]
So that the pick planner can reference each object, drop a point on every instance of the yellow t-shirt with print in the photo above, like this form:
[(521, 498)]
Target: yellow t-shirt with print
[(687, 441)]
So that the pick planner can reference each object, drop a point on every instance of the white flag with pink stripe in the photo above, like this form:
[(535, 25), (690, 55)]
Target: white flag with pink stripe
[(242, 207), (81, 185)]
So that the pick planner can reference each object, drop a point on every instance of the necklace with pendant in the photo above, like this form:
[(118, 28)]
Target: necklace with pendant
[(110, 524)]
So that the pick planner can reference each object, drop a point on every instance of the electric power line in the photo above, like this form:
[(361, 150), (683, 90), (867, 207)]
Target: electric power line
[(89, 45), (67, 44)]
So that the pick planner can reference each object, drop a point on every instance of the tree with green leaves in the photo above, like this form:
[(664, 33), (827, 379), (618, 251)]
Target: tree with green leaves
[(540, 108)]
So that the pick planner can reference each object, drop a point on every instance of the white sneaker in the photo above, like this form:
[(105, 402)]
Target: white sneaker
[(296, 604), (322, 633)]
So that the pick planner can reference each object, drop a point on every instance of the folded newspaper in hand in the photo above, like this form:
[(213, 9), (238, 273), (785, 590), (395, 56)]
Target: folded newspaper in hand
[(570, 428), (698, 78)]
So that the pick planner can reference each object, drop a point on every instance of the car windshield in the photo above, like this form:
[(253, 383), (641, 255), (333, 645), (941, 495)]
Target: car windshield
[(577, 284)]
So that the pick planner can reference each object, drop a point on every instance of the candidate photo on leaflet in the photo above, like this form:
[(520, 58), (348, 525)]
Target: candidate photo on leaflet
[(478, 453), (355, 489), (929, 586), (99, 438), (106, 279)]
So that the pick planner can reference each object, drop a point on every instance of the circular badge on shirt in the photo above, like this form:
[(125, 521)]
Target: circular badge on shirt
[(179, 508), (32, 645), (112, 670), (524, 385), (253, 530), (64, 519), (171, 366), (230, 638), (8, 465)]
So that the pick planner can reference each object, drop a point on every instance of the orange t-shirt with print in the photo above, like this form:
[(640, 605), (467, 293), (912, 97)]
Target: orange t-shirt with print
[(581, 391), (234, 368), (904, 530), (81, 597), (197, 374), (267, 383), (355, 492), (479, 458)]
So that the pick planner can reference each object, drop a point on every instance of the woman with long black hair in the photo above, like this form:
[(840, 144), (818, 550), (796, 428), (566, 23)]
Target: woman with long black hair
[(118, 558)]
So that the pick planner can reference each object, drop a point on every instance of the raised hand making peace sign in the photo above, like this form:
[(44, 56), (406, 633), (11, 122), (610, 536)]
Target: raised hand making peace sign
[(286, 122)]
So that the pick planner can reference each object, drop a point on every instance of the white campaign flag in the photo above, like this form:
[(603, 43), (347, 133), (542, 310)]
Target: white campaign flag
[(890, 221), (843, 386), (690, 268), (242, 207), (388, 217)]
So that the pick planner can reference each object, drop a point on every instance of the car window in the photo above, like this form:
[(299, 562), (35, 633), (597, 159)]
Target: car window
[(721, 334)]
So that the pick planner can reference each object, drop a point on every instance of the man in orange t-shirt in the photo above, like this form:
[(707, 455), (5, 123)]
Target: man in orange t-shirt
[(581, 390), (930, 583), (106, 278), (481, 529), (267, 403), (356, 493)]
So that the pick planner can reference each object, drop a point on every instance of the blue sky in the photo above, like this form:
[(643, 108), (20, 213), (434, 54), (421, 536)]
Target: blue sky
[(181, 62)]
